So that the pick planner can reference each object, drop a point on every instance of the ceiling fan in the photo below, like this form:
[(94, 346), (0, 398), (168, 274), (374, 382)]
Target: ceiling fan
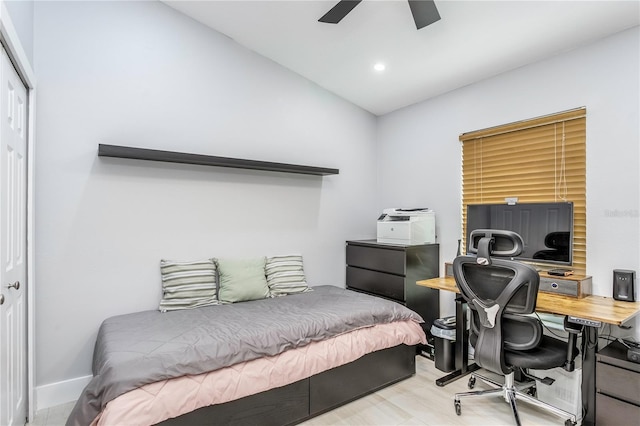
[(424, 12)]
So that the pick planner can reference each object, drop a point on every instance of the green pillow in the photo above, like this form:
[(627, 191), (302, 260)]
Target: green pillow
[(242, 280)]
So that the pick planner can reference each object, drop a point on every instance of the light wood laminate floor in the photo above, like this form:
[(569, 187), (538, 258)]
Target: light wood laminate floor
[(415, 401)]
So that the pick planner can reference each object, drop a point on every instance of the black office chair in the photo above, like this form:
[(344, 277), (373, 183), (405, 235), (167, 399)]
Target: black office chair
[(501, 294)]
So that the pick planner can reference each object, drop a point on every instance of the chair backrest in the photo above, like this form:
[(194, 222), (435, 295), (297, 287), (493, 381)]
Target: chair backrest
[(501, 293)]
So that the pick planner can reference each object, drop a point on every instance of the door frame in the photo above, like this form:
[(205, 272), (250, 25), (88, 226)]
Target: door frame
[(11, 42)]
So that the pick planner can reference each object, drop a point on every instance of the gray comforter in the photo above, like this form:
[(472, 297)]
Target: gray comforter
[(145, 347)]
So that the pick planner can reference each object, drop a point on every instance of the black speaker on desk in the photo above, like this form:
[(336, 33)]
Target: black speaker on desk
[(624, 285)]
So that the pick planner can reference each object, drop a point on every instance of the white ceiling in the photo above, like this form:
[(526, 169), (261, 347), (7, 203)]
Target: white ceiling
[(474, 40)]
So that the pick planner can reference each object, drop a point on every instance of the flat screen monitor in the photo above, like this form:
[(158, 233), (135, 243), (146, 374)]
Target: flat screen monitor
[(546, 228)]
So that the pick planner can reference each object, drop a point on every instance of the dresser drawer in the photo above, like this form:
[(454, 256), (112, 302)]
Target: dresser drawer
[(376, 258), (383, 284), (618, 382), (610, 411)]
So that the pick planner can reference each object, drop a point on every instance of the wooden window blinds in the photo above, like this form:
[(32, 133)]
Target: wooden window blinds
[(537, 160)]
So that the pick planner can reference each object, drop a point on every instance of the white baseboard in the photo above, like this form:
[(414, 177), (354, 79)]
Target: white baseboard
[(60, 392)]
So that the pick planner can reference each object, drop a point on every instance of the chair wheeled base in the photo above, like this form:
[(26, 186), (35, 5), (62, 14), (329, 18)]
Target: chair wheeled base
[(509, 391)]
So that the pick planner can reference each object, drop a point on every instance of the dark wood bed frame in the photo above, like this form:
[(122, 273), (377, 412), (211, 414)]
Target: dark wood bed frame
[(307, 398)]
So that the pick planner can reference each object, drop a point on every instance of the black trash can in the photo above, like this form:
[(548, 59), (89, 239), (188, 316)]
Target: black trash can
[(444, 343)]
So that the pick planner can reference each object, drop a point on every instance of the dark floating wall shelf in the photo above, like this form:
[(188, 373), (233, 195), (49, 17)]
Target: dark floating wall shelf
[(208, 160)]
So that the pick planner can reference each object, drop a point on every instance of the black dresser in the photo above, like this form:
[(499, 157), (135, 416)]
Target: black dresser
[(617, 387), (391, 271)]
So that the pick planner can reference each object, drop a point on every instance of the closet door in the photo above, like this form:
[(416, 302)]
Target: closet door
[(13, 190)]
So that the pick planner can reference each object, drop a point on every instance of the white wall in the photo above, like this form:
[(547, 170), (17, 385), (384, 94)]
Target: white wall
[(419, 152), (21, 12), (141, 74)]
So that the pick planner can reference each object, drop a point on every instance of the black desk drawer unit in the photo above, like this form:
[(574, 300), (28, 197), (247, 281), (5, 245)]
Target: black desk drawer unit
[(391, 271), (617, 387)]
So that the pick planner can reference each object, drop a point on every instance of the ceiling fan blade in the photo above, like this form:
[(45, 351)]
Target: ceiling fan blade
[(424, 12), (339, 11)]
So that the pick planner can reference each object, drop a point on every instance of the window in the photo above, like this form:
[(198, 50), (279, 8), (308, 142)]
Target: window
[(537, 160)]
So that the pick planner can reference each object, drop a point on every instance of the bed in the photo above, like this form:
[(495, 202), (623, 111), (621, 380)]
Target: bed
[(273, 361)]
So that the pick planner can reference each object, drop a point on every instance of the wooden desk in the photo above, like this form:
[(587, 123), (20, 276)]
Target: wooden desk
[(595, 308)]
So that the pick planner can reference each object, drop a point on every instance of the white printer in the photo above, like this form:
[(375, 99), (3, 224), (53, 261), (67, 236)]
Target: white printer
[(407, 226)]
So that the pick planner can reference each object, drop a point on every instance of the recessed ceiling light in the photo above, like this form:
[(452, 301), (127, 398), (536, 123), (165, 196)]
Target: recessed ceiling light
[(379, 67)]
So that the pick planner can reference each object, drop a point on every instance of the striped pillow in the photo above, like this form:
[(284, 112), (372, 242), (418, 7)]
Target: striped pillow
[(187, 285), (285, 275)]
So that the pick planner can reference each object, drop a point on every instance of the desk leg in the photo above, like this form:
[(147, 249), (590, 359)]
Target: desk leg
[(589, 349), (461, 346)]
